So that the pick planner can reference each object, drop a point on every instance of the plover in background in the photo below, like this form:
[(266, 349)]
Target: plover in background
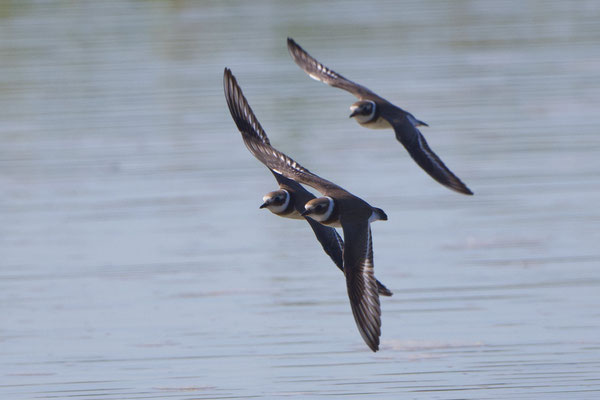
[(375, 112)]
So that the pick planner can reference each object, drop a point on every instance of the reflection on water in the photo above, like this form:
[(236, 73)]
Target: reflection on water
[(135, 262)]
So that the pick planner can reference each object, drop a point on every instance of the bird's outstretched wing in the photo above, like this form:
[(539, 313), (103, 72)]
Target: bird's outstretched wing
[(319, 72), (333, 245), (330, 240), (361, 283), (241, 112), (416, 145), (253, 136)]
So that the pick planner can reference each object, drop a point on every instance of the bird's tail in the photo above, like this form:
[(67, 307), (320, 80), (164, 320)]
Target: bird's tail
[(379, 215)]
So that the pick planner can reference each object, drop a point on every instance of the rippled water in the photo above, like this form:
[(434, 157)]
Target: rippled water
[(135, 263)]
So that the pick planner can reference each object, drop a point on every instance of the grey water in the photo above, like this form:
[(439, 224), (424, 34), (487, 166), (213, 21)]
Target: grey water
[(135, 263)]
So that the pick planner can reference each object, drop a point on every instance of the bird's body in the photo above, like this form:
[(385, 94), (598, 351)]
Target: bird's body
[(368, 115), (290, 201), (337, 206), (375, 112), (379, 123)]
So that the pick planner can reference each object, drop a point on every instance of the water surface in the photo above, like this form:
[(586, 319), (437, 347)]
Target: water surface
[(135, 263)]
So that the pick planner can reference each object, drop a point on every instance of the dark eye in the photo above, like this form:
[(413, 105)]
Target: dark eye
[(320, 207)]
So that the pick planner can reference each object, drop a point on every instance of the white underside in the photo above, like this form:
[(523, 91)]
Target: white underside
[(379, 123), (335, 224), (293, 215)]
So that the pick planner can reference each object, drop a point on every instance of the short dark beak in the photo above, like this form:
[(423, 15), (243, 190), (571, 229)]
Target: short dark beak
[(353, 113), (263, 205), (306, 213)]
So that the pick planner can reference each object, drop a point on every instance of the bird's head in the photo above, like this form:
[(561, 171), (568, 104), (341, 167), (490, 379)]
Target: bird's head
[(363, 111), (319, 209), (276, 201)]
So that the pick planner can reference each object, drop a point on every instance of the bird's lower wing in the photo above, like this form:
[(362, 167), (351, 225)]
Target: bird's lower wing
[(419, 150), (361, 283), (331, 241)]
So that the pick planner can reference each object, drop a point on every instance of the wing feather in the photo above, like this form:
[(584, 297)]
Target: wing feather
[(361, 283), (320, 72), (240, 110), (416, 145), (257, 142)]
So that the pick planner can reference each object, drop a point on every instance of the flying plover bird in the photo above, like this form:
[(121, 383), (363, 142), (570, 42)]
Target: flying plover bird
[(289, 200), (337, 208), (375, 112)]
